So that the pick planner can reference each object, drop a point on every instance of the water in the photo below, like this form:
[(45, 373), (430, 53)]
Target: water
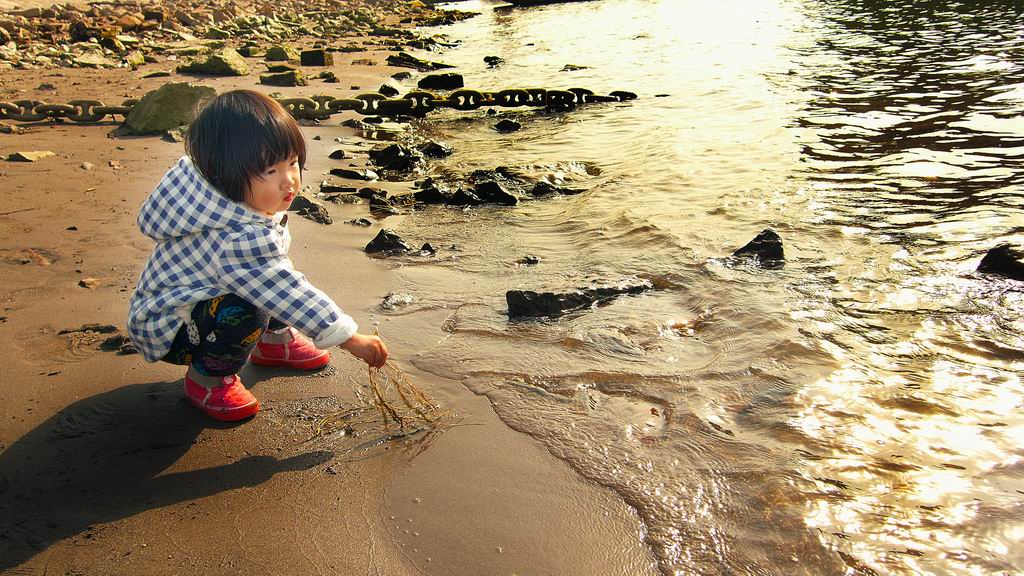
[(858, 411)]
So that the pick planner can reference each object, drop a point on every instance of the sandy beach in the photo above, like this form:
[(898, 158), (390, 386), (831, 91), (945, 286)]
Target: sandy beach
[(106, 469)]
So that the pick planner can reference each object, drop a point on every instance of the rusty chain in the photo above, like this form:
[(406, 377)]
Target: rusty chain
[(76, 110), (322, 106)]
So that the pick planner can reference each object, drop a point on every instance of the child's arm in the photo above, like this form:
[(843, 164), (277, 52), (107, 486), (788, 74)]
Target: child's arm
[(369, 349)]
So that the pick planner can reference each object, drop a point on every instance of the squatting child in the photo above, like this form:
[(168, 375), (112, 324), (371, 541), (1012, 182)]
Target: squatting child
[(219, 288)]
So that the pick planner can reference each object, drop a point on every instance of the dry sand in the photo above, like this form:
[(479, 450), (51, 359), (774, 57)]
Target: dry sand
[(105, 469)]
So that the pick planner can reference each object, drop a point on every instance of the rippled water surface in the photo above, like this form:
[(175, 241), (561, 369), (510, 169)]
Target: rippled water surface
[(859, 410)]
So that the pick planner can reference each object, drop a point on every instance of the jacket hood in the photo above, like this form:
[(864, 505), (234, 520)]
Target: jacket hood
[(184, 203)]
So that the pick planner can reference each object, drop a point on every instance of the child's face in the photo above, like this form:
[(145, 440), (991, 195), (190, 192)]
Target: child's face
[(275, 188)]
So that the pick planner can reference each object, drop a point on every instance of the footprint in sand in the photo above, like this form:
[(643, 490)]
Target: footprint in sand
[(72, 345)]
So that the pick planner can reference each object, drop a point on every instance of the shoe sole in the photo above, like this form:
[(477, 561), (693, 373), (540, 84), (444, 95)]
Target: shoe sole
[(229, 415), (312, 364)]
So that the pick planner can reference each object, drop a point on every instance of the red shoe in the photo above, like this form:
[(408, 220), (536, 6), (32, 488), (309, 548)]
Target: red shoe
[(299, 354), (228, 402)]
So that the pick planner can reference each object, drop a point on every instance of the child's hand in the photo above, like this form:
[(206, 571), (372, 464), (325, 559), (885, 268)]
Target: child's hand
[(369, 349)]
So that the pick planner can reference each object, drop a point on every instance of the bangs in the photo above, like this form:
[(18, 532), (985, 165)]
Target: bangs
[(238, 135), (277, 141)]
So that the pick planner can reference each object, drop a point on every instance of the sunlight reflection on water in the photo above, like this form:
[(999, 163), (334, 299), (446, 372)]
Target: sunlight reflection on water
[(858, 410)]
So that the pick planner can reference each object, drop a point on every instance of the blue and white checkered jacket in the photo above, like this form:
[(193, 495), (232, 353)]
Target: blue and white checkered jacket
[(207, 246)]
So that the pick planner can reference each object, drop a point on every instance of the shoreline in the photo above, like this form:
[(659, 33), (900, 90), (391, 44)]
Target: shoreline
[(105, 469)]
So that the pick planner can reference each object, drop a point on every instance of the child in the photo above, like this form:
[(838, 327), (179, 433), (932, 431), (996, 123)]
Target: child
[(219, 282)]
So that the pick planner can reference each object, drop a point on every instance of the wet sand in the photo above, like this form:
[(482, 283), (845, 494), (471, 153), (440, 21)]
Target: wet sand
[(105, 469)]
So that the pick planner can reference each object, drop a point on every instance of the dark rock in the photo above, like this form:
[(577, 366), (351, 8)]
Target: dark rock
[(82, 32), (528, 260), (428, 249), (328, 187), (338, 154), (503, 174), (623, 95), (463, 197), (430, 44), (318, 57), (395, 157), (369, 192), (1004, 261), (406, 60), (507, 125), (317, 213), (431, 195), (446, 81), (765, 248), (434, 149), (359, 222), (401, 76), (119, 344), (112, 43), (542, 188), (573, 67), (290, 78), (301, 202), (329, 77), (387, 241), (353, 174), (493, 193), (530, 304), (388, 90), (493, 61), (383, 204)]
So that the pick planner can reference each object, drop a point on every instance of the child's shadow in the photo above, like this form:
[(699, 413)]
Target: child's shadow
[(100, 459)]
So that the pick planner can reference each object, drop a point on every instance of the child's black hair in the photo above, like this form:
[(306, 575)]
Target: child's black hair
[(237, 135)]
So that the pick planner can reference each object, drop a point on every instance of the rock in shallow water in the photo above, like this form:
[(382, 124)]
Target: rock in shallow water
[(434, 149), (491, 192), (446, 81), (1003, 260), (395, 157), (507, 125), (387, 241), (530, 304), (765, 248)]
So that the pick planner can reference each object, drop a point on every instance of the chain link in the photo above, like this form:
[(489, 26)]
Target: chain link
[(323, 106)]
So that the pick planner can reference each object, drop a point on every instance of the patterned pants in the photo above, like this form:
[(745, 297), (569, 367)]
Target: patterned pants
[(219, 335)]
